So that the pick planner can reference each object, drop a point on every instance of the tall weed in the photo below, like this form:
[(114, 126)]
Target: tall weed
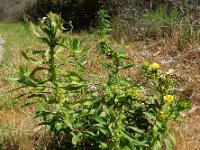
[(116, 114)]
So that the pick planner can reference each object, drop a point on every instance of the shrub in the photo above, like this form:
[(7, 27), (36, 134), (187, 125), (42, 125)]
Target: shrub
[(189, 32), (116, 114), (162, 23), (133, 18)]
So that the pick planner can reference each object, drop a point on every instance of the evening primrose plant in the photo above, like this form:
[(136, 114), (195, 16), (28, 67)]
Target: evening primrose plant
[(118, 114), (163, 105)]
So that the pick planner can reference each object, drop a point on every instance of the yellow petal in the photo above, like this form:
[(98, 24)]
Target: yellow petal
[(168, 98), (155, 66)]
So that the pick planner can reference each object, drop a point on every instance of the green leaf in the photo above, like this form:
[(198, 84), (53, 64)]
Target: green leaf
[(125, 67), (34, 95), (122, 47), (74, 44), (125, 81), (84, 111), (74, 75), (79, 65), (28, 104), (157, 146), (63, 44), (24, 54), (103, 145), (155, 131), (159, 124), (150, 115), (33, 77), (100, 120), (47, 54), (104, 131), (106, 65), (39, 51), (181, 119), (90, 133), (11, 79), (168, 144), (134, 141), (92, 74), (95, 94), (172, 138), (136, 129), (123, 57), (20, 95), (175, 90), (58, 127), (89, 102), (127, 148), (46, 40), (28, 83), (132, 146), (44, 114), (92, 112), (76, 138), (40, 105), (34, 31), (72, 86)]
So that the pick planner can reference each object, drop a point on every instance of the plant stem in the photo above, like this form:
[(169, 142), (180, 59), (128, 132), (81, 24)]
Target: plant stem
[(53, 75), (118, 129)]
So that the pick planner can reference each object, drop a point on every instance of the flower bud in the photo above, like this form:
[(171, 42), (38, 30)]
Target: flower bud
[(161, 115)]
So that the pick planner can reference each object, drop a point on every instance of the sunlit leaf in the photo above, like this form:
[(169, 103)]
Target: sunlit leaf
[(103, 145), (168, 144), (126, 67), (72, 86), (172, 138), (150, 115), (157, 146), (136, 129), (122, 47)]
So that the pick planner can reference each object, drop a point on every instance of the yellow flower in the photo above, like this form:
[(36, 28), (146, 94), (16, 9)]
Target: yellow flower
[(154, 66), (168, 98)]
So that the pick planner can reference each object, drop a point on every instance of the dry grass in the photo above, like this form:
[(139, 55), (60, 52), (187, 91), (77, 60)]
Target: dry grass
[(17, 128), (16, 123), (186, 66), (187, 134)]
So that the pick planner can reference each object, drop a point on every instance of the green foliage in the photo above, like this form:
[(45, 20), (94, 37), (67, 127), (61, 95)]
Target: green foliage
[(103, 24), (117, 114), (161, 23)]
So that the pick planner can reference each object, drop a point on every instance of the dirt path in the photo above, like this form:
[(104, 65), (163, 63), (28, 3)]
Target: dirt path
[(1, 48)]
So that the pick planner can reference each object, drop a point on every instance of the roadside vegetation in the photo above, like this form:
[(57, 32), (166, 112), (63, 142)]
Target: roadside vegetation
[(66, 90)]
